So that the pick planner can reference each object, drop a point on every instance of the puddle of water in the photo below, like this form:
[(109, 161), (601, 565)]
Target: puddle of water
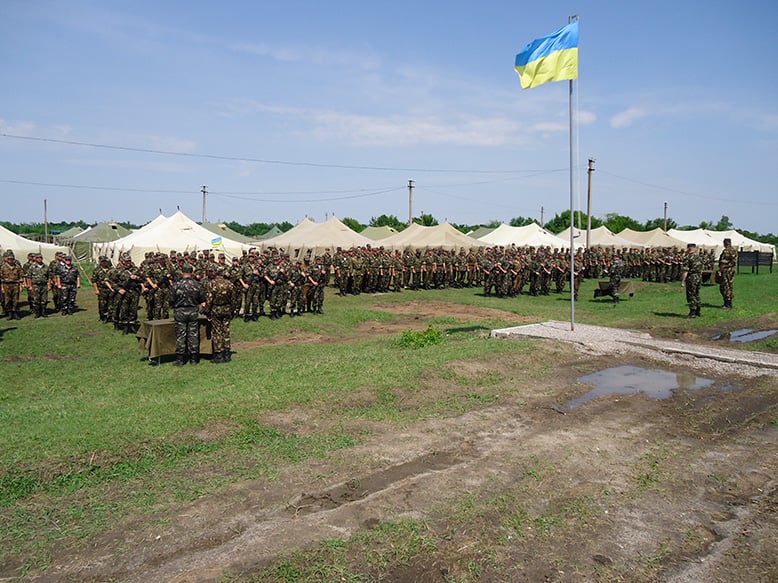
[(630, 380), (746, 335)]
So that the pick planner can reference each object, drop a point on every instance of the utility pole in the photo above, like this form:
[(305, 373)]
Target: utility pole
[(410, 202), (589, 203), (204, 190), (45, 222), (665, 229), (542, 221)]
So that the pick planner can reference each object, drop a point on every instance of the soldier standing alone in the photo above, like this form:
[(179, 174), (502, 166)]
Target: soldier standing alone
[(727, 264), (692, 279), (186, 297)]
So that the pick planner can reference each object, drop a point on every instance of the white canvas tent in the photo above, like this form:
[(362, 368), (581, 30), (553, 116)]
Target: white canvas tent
[(177, 232), (442, 236), (699, 237), (600, 237), (655, 238), (311, 235), (22, 246), (741, 242), (532, 235)]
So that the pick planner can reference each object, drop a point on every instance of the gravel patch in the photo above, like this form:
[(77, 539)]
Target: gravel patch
[(601, 340)]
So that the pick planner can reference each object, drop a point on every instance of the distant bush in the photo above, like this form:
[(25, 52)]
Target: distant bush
[(419, 339)]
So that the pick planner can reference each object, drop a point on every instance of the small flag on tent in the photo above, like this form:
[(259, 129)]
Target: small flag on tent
[(550, 58), (216, 242)]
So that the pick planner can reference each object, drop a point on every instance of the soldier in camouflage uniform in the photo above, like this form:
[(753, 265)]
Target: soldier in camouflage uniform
[(68, 282), (278, 281), (102, 288), (128, 288), (219, 298), (615, 273), (11, 282), (297, 279), (38, 284), (692, 279), (186, 296), (726, 274)]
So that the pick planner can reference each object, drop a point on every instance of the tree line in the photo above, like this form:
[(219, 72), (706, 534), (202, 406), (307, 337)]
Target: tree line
[(613, 221)]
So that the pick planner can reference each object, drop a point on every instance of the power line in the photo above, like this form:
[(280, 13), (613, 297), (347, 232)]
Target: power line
[(686, 193), (255, 160)]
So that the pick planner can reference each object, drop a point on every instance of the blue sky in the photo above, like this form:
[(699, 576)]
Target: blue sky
[(300, 108)]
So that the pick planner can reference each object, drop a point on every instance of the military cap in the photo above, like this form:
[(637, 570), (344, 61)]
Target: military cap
[(8, 253), (187, 268)]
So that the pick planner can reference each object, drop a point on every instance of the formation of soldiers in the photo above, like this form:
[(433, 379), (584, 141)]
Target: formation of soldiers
[(60, 277), (271, 283), (270, 279)]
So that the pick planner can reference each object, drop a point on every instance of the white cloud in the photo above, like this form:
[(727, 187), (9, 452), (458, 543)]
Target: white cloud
[(314, 55), (627, 117)]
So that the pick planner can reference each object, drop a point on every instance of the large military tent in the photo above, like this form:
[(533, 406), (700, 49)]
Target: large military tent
[(224, 231), (177, 232), (654, 238), (699, 237), (739, 242), (308, 234), (443, 236), (599, 237), (82, 244), (63, 237), (22, 246), (532, 235), (378, 233), (273, 232)]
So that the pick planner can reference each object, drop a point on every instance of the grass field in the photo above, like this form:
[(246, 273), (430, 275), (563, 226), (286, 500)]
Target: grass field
[(93, 436)]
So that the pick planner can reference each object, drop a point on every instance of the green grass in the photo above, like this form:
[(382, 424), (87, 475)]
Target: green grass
[(91, 433)]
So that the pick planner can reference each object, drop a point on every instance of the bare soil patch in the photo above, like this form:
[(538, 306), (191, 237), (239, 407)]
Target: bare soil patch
[(623, 488)]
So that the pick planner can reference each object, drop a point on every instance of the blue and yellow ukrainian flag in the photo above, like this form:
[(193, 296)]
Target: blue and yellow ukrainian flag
[(216, 242), (550, 58)]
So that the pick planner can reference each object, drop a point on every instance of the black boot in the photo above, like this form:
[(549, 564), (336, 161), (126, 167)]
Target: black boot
[(692, 314), (616, 300), (227, 355), (218, 357), (697, 311), (194, 358), (180, 359)]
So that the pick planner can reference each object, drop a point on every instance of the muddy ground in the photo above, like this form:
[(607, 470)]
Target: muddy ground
[(622, 488)]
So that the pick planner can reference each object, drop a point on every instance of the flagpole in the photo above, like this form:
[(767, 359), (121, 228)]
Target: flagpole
[(572, 183)]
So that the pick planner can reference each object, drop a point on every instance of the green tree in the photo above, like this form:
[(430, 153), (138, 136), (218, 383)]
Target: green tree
[(353, 224), (560, 222), (616, 223), (652, 224), (387, 221), (426, 220), (523, 221)]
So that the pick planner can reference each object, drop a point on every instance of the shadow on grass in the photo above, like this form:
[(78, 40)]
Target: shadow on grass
[(466, 329), (669, 315), (4, 330)]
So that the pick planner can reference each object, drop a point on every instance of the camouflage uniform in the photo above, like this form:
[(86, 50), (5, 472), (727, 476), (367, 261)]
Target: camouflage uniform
[(692, 279), (68, 281), (186, 295), (219, 297), (11, 282), (727, 264), (102, 288), (38, 284), (615, 273)]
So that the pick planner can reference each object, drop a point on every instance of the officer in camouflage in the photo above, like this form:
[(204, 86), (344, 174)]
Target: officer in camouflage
[(727, 264), (186, 296), (218, 308)]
